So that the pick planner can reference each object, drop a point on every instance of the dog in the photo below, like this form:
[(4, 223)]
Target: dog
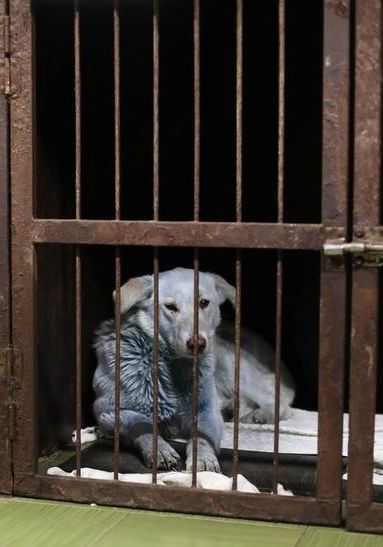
[(215, 347)]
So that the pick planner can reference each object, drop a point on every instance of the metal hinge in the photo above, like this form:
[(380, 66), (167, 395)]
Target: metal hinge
[(7, 61), (10, 374), (363, 253)]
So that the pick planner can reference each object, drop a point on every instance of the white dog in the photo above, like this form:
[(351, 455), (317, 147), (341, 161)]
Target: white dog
[(215, 346)]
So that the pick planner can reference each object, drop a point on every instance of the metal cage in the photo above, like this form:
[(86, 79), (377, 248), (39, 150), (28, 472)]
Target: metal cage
[(348, 321)]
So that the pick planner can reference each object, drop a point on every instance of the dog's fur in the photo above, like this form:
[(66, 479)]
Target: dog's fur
[(176, 340)]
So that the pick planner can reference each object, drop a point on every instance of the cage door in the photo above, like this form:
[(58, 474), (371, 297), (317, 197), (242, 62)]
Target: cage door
[(364, 513)]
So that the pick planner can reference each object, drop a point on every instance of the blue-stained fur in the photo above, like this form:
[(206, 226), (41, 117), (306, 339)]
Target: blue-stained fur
[(136, 399)]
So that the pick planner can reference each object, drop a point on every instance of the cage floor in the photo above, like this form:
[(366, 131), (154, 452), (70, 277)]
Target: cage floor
[(296, 473), (35, 523)]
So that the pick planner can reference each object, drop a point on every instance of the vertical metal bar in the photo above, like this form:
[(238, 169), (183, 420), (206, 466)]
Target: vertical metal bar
[(238, 262), (22, 257), (117, 176), (156, 182), (156, 120), (197, 107), (195, 369), (77, 92), (279, 273), (5, 274), (335, 178), (197, 161), (365, 312)]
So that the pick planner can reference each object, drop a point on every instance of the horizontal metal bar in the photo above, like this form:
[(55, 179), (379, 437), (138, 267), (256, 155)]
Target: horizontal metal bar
[(181, 499), (185, 234), (361, 520)]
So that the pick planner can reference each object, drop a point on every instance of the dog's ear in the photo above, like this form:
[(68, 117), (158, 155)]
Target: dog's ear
[(224, 289), (134, 291)]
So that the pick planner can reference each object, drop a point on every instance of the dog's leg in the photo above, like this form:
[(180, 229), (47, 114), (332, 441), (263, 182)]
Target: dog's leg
[(136, 430), (210, 428)]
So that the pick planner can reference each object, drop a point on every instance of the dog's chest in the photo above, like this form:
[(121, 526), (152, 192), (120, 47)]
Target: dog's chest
[(174, 385)]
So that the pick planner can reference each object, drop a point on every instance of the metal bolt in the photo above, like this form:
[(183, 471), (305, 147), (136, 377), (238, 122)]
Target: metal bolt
[(359, 232), (359, 261)]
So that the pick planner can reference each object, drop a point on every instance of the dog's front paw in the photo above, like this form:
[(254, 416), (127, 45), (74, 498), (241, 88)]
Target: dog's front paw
[(265, 415), (259, 416), (208, 463), (167, 458), (206, 458)]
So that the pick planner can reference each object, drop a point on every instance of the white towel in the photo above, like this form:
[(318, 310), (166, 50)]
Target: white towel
[(205, 479), (297, 435)]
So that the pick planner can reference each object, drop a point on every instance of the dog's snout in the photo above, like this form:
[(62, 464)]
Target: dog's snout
[(198, 341)]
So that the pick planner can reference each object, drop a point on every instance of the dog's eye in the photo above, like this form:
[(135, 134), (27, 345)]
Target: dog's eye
[(203, 303), (171, 307)]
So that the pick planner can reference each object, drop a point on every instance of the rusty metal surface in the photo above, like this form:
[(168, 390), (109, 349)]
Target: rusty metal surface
[(335, 111), (335, 124), (196, 196), (117, 197), (78, 320), (155, 374), (325, 510), (5, 301), (238, 261), (195, 368), (156, 198), (117, 375), (185, 234), (197, 108), (237, 365), (21, 116), (361, 515), (185, 500), (279, 270), (78, 268)]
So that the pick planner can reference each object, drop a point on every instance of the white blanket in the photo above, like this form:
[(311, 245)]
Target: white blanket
[(205, 479), (297, 435)]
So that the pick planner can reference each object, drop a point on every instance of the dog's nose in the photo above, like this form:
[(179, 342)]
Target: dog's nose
[(199, 341)]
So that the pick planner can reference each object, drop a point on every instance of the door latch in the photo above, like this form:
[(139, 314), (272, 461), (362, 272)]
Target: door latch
[(363, 253)]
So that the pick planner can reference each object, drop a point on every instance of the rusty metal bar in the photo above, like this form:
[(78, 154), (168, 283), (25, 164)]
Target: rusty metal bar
[(181, 499), (156, 190), (185, 234), (238, 261), (117, 184), (335, 178), (117, 369), (237, 367), (281, 105), (23, 264), (78, 359), (77, 96), (197, 106), (195, 369), (279, 272), (5, 269), (155, 376), (365, 296), (117, 113), (196, 178), (156, 111), (278, 358)]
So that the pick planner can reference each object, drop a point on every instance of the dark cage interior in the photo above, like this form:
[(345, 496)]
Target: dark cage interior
[(55, 169)]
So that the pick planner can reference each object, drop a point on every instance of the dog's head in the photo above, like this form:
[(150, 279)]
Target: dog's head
[(176, 307)]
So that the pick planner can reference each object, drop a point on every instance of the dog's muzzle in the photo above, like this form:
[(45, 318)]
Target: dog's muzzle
[(196, 341)]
